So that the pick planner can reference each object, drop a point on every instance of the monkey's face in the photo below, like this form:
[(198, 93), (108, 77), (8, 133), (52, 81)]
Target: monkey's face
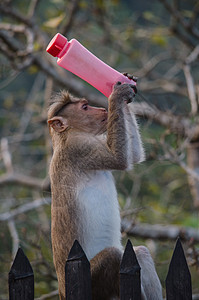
[(87, 118), (81, 116)]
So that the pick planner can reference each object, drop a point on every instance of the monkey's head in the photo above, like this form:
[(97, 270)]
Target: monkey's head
[(67, 112)]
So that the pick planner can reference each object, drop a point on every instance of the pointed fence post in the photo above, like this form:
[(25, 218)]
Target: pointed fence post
[(21, 278), (178, 281), (130, 285), (78, 276)]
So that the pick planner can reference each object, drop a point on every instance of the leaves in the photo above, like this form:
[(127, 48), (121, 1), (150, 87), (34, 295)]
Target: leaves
[(54, 22), (151, 16), (159, 39)]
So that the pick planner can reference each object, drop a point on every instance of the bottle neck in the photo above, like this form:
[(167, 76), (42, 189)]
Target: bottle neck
[(64, 50)]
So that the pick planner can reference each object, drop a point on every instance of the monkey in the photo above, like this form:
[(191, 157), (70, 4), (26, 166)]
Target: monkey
[(88, 144)]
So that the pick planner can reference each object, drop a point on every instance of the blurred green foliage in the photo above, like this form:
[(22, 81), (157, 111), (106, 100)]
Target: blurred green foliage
[(125, 34)]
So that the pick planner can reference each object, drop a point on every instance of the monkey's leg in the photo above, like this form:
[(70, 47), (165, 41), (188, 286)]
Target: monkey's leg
[(151, 286), (105, 274), (61, 297)]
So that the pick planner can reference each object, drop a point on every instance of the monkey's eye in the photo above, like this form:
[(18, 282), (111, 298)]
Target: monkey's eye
[(85, 106)]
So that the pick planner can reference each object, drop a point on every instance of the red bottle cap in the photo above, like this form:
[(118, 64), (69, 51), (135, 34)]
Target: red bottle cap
[(56, 45)]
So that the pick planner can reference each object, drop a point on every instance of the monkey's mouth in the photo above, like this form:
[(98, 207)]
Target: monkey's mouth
[(104, 120)]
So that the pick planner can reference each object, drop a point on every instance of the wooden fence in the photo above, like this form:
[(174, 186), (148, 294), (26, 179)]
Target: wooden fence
[(78, 277)]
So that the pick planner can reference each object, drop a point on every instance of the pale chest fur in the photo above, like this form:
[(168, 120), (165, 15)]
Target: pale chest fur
[(97, 199)]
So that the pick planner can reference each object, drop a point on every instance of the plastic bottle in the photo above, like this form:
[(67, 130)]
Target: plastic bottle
[(77, 59)]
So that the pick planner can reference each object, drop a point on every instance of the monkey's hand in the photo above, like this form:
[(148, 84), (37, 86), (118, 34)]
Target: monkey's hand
[(123, 92), (132, 77)]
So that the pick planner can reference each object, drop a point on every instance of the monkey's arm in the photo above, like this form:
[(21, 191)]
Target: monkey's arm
[(93, 152), (135, 147)]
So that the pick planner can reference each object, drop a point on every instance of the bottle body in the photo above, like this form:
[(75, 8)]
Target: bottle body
[(77, 59)]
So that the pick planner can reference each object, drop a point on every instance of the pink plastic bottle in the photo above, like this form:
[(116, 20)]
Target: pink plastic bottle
[(77, 59)]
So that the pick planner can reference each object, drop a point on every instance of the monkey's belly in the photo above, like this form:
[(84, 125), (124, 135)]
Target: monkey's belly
[(100, 211)]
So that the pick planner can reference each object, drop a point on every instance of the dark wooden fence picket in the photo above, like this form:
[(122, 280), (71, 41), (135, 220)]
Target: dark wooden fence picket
[(21, 278), (178, 281), (78, 277), (130, 286), (77, 272)]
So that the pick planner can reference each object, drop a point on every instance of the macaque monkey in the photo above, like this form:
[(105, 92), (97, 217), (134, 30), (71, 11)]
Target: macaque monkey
[(88, 143)]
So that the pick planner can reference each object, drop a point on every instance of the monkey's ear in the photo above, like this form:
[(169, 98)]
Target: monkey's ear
[(59, 124)]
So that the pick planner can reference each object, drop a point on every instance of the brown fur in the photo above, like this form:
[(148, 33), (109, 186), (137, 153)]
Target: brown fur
[(79, 149), (105, 274), (58, 102), (70, 148)]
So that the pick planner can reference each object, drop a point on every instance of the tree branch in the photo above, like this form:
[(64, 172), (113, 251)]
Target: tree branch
[(49, 295), (193, 55), (159, 232), (191, 89), (176, 124), (185, 24), (6, 10), (152, 63), (15, 237), (74, 5), (24, 180), (10, 215), (6, 155), (32, 8)]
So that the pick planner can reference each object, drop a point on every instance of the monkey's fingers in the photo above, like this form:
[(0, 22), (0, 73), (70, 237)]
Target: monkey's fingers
[(131, 85), (130, 76), (134, 78), (134, 88)]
